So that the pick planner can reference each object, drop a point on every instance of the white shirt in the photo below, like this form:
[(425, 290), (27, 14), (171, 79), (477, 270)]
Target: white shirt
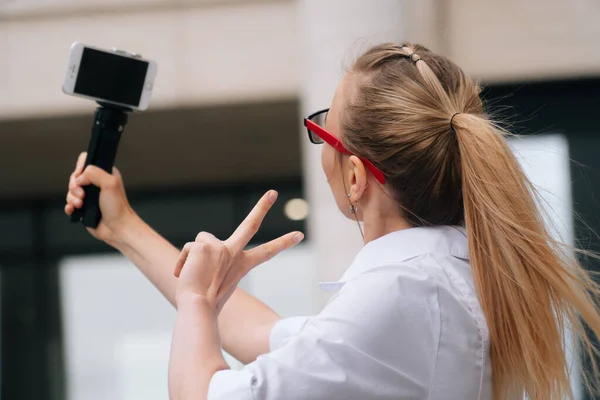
[(405, 324)]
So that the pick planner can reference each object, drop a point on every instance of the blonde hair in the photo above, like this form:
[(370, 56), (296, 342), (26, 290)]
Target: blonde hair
[(530, 287)]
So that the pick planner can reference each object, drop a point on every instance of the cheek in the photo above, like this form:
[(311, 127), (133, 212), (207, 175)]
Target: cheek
[(331, 168), (327, 161)]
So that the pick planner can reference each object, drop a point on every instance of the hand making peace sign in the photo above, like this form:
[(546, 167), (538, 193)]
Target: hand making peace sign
[(211, 268)]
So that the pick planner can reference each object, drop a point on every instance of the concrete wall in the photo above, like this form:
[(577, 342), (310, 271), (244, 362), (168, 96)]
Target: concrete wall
[(512, 40), (207, 53), (212, 51)]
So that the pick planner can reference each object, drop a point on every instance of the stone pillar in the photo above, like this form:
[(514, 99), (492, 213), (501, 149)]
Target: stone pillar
[(333, 34)]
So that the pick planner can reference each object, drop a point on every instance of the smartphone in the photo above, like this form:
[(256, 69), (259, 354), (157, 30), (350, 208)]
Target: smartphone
[(111, 76)]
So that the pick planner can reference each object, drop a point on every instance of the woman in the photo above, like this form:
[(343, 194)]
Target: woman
[(459, 292)]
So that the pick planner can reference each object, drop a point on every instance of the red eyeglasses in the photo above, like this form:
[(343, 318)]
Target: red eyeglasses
[(314, 124)]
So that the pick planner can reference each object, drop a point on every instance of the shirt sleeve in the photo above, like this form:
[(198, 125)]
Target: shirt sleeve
[(284, 329), (378, 337)]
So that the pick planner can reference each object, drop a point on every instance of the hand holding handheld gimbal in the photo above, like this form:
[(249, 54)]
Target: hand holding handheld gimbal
[(119, 82)]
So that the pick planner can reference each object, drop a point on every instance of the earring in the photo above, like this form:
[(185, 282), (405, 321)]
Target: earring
[(352, 207)]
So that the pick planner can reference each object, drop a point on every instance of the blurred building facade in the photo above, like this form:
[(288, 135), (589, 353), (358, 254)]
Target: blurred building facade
[(234, 79)]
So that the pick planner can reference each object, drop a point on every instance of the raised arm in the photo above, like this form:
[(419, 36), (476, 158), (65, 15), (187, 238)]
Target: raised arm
[(245, 322)]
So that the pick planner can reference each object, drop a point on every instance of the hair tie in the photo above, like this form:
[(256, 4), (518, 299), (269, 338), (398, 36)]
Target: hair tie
[(414, 57), (451, 120)]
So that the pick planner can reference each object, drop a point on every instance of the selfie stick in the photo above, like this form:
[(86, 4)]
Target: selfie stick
[(109, 123)]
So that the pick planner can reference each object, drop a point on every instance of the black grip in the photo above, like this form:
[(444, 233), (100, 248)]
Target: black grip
[(109, 122)]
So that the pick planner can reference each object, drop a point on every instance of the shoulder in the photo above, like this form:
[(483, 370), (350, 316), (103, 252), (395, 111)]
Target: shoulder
[(388, 283), (390, 313), (412, 292), (423, 275), (398, 299)]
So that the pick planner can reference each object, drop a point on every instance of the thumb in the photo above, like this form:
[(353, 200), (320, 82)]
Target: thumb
[(96, 176)]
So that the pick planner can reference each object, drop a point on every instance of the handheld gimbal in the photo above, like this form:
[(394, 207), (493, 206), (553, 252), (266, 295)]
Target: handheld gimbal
[(119, 82)]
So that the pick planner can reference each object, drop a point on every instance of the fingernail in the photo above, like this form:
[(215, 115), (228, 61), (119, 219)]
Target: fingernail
[(298, 237), (272, 195)]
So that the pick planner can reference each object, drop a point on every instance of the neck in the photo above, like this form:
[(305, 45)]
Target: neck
[(377, 225)]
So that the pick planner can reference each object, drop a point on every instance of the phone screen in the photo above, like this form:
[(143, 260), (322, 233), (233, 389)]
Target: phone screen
[(111, 77)]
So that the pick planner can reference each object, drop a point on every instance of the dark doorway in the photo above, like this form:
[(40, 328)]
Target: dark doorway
[(570, 107)]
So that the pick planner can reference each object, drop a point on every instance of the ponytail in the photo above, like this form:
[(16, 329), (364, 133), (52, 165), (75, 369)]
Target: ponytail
[(530, 286)]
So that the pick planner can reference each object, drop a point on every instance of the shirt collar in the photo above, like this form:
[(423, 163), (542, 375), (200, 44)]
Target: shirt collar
[(403, 245)]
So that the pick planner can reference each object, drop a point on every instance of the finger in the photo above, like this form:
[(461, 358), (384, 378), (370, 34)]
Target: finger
[(96, 176), (205, 237), (181, 259), (248, 228), (232, 279), (265, 252), (69, 209), (73, 186), (80, 163), (74, 189), (74, 201), (230, 282), (116, 173)]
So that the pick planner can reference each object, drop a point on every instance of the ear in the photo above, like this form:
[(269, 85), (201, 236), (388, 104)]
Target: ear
[(357, 177)]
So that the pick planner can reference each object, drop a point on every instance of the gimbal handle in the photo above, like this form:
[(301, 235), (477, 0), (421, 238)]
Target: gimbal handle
[(109, 123)]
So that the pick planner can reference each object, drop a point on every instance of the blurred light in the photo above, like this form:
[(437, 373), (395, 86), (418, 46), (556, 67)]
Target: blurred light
[(296, 209)]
